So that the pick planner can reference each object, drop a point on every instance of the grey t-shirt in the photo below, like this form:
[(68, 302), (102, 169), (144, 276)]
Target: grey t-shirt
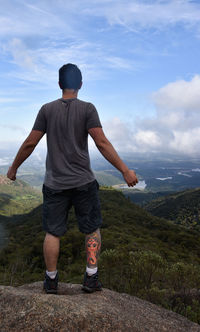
[(66, 123)]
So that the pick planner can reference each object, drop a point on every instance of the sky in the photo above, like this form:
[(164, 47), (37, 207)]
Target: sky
[(139, 61)]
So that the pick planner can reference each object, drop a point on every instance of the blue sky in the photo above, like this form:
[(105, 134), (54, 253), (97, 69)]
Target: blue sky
[(140, 65)]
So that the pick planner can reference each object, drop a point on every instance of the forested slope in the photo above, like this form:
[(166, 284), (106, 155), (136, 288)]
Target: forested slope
[(141, 254), (182, 207), (17, 197)]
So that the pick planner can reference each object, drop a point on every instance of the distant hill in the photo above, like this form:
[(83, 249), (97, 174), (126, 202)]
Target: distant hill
[(17, 197), (142, 197), (108, 178), (181, 207)]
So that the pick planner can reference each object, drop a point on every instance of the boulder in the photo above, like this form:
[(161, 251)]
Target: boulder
[(27, 308)]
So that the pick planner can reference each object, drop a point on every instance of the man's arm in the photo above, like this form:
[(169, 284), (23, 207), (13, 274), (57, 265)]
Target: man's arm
[(108, 151), (24, 152)]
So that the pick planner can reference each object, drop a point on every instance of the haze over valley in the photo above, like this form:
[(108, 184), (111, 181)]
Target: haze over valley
[(156, 173)]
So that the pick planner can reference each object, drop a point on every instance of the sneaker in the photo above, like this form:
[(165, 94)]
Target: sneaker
[(91, 283), (51, 285)]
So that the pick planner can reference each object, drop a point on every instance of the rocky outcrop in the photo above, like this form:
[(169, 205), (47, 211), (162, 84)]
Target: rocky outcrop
[(27, 308)]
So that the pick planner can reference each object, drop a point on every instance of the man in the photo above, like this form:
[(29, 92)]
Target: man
[(69, 179)]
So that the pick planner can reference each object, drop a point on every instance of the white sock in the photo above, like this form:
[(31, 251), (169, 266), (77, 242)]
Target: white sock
[(90, 271), (51, 274)]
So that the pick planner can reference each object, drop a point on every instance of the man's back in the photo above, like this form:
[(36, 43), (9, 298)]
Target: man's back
[(66, 123)]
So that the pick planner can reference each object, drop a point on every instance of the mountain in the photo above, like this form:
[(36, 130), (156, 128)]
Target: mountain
[(181, 207), (27, 308), (142, 255), (108, 178), (142, 197), (17, 197)]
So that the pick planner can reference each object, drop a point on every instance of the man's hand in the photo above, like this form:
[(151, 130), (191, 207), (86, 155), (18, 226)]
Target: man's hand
[(130, 178), (11, 174)]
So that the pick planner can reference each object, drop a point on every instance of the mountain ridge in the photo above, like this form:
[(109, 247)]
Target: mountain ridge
[(181, 207), (17, 197)]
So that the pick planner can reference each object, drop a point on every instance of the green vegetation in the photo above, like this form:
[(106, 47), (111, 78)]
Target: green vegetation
[(182, 207), (34, 179), (142, 197), (141, 254), (17, 197), (106, 178)]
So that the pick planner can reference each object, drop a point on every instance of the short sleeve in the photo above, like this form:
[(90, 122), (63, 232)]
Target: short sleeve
[(93, 120), (40, 122)]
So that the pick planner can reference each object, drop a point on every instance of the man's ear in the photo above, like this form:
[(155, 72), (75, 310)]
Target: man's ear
[(81, 85)]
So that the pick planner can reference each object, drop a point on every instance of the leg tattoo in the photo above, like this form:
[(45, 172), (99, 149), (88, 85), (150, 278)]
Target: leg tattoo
[(93, 246)]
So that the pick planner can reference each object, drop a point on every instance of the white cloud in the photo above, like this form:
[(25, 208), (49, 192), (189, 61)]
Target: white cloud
[(3, 162), (5, 100), (147, 139), (23, 19), (39, 37), (152, 14), (179, 95), (178, 105), (119, 63), (175, 128), (21, 55), (186, 142), (12, 128), (119, 133), (35, 65)]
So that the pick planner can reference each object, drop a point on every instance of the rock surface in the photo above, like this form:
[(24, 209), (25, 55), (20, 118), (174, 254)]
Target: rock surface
[(27, 308)]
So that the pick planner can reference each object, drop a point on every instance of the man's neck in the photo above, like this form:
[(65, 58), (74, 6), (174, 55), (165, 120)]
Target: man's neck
[(69, 94)]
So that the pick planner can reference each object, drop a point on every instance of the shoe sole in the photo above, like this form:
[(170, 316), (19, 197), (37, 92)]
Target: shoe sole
[(50, 291), (90, 290)]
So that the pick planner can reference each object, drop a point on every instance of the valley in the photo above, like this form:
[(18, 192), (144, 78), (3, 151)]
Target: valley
[(142, 254), (164, 174)]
